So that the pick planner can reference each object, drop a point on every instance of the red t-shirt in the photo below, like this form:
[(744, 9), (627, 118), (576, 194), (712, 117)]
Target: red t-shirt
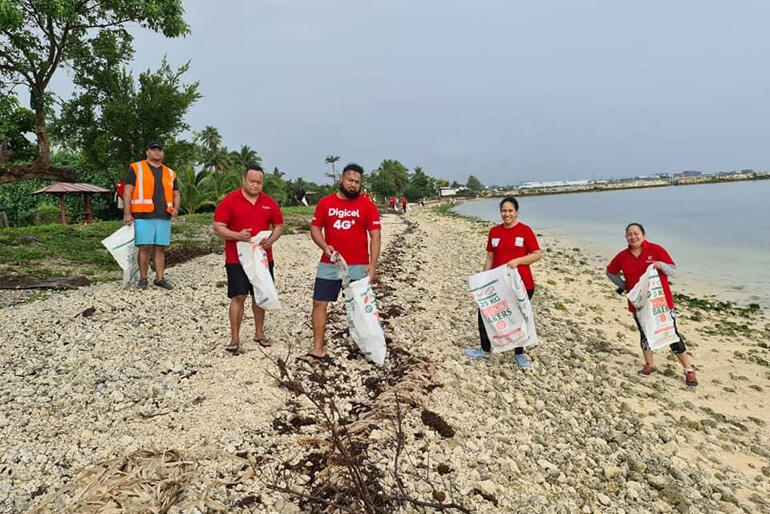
[(238, 213), (346, 224), (634, 267), (510, 243)]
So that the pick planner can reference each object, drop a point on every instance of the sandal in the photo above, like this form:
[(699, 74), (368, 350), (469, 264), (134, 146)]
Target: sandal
[(310, 358), (232, 347), (264, 342)]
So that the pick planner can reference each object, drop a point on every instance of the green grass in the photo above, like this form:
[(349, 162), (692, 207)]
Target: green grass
[(65, 250)]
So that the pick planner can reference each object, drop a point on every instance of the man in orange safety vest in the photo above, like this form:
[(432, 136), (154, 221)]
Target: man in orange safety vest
[(151, 201)]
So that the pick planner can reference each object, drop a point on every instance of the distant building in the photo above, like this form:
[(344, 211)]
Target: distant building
[(688, 173), (555, 183), (445, 192)]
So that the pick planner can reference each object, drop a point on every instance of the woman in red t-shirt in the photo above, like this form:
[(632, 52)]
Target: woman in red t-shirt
[(514, 244), (633, 262)]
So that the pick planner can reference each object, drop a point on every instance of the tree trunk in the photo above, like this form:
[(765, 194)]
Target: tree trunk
[(34, 170), (42, 168), (41, 130)]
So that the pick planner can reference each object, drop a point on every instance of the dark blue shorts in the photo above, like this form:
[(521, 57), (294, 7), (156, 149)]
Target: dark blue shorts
[(237, 281), (326, 290)]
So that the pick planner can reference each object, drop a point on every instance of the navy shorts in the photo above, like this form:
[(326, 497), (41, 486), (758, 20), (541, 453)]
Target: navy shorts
[(237, 281), (327, 286), (326, 290)]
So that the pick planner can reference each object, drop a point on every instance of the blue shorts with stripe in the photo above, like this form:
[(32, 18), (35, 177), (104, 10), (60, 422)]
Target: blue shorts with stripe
[(327, 284)]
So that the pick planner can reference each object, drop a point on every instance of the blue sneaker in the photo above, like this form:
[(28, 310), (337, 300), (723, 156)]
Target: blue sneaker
[(476, 353), (523, 362)]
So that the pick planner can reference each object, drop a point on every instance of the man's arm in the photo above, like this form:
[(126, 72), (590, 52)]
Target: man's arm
[(317, 236), (273, 237), (222, 231), (375, 238), (177, 204), (128, 218)]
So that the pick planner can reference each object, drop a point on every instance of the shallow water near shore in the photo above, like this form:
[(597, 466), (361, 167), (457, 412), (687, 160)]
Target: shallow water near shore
[(718, 234)]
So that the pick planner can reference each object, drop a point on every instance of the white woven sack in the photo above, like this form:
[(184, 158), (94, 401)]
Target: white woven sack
[(121, 246), (254, 261)]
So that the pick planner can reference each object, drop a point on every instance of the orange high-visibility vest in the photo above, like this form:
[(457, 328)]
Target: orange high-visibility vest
[(141, 200)]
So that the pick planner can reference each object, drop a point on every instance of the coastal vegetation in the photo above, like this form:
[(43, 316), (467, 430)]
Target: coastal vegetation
[(55, 250)]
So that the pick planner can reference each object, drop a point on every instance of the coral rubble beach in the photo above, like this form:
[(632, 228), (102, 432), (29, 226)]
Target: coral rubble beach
[(98, 385)]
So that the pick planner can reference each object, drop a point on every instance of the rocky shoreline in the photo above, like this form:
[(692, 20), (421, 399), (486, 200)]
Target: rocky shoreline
[(97, 374)]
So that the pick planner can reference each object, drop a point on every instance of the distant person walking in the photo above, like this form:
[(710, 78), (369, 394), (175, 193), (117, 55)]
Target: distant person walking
[(633, 262), (403, 204), (514, 244), (392, 203), (347, 224), (240, 215), (301, 196), (151, 201)]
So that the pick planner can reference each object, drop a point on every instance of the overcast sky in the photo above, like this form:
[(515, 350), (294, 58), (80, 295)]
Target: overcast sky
[(507, 91)]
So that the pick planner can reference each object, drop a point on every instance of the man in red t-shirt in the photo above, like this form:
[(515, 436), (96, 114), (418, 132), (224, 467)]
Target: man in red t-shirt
[(347, 224), (239, 216)]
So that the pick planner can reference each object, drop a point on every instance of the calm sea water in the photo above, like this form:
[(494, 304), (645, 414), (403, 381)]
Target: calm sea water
[(718, 234)]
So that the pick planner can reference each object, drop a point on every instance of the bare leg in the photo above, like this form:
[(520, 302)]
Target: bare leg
[(236, 317), (159, 257), (684, 359), (259, 320), (143, 259), (319, 327), (647, 356)]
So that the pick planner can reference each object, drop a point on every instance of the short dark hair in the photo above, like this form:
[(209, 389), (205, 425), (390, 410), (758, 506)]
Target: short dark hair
[(353, 167), (255, 167), (510, 199), (635, 224)]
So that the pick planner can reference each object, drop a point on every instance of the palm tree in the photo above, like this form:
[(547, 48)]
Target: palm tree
[(223, 183), (209, 138), (218, 160), (195, 189), (331, 159), (246, 156)]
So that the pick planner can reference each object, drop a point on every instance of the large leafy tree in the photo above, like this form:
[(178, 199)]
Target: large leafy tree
[(420, 185), (390, 179), (15, 123), (113, 116), (474, 184), (38, 37)]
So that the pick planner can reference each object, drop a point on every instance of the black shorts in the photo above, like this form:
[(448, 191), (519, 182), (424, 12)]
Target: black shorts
[(326, 290), (237, 281)]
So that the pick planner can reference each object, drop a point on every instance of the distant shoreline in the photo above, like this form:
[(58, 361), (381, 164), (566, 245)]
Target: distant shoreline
[(638, 184)]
